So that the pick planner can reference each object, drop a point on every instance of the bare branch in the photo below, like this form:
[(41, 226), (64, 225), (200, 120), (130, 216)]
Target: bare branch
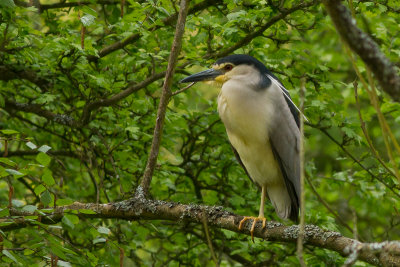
[(166, 95), (139, 208), (183, 89), (364, 47)]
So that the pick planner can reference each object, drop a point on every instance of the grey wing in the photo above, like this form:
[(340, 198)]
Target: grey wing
[(293, 108), (285, 143), (241, 163)]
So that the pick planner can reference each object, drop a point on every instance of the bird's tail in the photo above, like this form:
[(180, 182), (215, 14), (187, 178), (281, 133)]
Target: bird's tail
[(284, 206)]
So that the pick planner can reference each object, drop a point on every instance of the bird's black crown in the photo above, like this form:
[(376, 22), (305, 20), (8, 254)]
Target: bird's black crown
[(244, 59)]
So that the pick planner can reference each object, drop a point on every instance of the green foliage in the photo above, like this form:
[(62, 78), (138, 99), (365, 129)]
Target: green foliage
[(60, 145)]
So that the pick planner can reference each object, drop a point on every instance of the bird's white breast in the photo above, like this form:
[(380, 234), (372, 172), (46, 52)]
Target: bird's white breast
[(247, 115)]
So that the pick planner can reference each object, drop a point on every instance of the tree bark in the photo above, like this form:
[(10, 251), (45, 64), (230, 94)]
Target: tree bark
[(140, 208)]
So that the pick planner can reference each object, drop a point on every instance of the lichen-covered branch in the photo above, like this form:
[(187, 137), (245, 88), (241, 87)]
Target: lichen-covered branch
[(364, 47), (140, 208)]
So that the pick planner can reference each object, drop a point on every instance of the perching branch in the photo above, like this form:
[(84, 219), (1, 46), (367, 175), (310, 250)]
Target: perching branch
[(139, 208), (165, 97), (365, 48)]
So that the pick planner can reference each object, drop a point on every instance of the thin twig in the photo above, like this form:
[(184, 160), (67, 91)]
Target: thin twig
[(302, 191), (183, 89), (210, 246), (365, 132), (341, 221), (391, 188), (386, 132), (375, 103), (165, 97)]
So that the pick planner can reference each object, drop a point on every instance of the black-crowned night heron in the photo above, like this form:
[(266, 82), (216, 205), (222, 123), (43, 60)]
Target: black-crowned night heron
[(262, 124)]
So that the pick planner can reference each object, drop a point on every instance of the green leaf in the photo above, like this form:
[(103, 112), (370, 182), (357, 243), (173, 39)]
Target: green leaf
[(8, 162), (28, 252), (14, 172), (86, 211), (8, 131), (63, 263), (8, 3), (47, 178), (70, 220), (17, 203), (29, 208), (132, 129), (4, 212), (44, 148), (87, 20), (90, 11), (99, 240), (39, 189), (67, 222), (103, 230), (43, 159), (45, 197), (10, 255), (64, 202), (3, 172), (31, 145), (57, 250)]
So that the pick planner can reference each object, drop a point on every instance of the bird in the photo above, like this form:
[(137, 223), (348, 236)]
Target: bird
[(263, 126)]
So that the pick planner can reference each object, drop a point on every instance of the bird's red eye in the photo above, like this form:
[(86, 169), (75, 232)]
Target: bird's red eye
[(228, 67)]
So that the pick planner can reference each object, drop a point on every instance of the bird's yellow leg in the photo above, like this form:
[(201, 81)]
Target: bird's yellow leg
[(261, 213), (255, 219)]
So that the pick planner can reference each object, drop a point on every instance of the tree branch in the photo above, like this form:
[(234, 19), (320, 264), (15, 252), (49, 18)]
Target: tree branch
[(166, 95), (247, 39), (64, 4), (117, 97), (134, 37), (21, 153), (364, 47), (7, 73), (139, 208), (38, 110)]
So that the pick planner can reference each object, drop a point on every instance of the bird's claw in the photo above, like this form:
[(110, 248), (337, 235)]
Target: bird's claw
[(255, 219)]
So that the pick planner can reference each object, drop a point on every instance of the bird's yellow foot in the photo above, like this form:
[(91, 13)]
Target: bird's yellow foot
[(255, 219)]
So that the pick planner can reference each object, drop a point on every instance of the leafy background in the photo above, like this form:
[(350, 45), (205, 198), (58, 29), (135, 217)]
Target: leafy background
[(53, 67)]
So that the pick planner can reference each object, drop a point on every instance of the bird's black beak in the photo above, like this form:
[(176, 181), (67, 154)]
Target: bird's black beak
[(207, 75)]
